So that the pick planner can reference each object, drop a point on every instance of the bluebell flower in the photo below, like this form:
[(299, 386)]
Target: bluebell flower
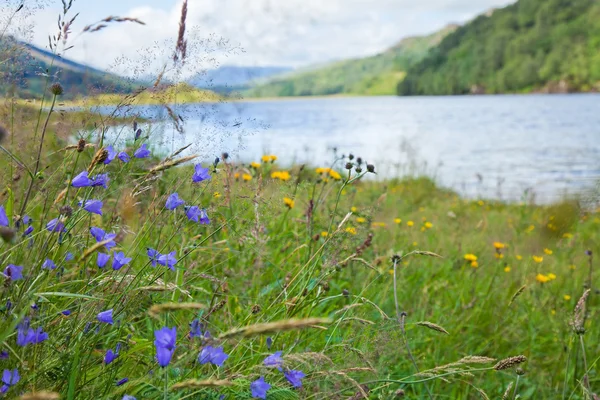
[(3, 355), (294, 377), (3, 218), (69, 256), (48, 264), (110, 356), (165, 345), (128, 397), (27, 335), (213, 355), (66, 312), (14, 272), (81, 180), (142, 152), (55, 225), (27, 220), (102, 236), (28, 231), (124, 157), (93, 206), (200, 174), (102, 259), (153, 255), (111, 154), (138, 133), (9, 378), (119, 260), (274, 360), (122, 381), (106, 316), (35, 307), (173, 201), (192, 213), (259, 388), (100, 180), (269, 342), (168, 260), (196, 328), (204, 217)]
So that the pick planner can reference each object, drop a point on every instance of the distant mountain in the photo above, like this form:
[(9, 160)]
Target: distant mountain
[(531, 45), (375, 75), (26, 70), (229, 78)]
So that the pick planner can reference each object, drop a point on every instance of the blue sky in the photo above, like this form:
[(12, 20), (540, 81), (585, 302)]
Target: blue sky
[(295, 33)]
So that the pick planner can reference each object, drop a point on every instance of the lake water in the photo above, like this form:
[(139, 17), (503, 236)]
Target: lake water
[(488, 146)]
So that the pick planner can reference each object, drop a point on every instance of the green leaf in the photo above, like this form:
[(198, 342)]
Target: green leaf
[(10, 204), (64, 294)]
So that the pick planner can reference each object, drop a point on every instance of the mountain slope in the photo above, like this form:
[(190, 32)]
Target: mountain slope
[(375, 75), (228, 78), (546, 45), (25, 70)]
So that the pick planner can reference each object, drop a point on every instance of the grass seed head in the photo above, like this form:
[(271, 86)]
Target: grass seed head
[(509, 362)]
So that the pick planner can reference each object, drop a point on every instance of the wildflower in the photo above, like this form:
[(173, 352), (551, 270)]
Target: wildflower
[(168, 260), (69, 256), (48, 264), (102, 260), (195, 328), (551, 276), (216, 195), (378, 224), (153, 255), (110, 356), (3, 355), (518, 257), (353, 209), (3, 218), (351, 230), (236, 175), (294, 377), (567, 297), (470, 257), (428, 225), (124, 157), (193, 213), (499, 255), (499, 245), (200, 174), (14, 272), (100, 235), (9, 378), (269, 158), (165, 339), (128, 397), (106, 316), (204, 217), (93, 206), (111, 154), (55, 225), (173, 201), (213, 355), (255, 165), (100, 180), (28, 231), (81, 180), (66, 312), (567, 235), (572, 267), (334, 175), (119, 260), (474, 264), (142, 152), (324, 234), (548, 251), (269, 342), (27, 335), (361, 220), (397, 221), (530, 228), (259, 388), (507, 269), (274, 360), (538, 259), (288, 202), (122, 381), (410, 223), (542, 278), (247, 177)]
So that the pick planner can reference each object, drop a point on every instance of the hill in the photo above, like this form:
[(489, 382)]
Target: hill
[(375, 75), (229, 78), (24, 72), (532, 45)]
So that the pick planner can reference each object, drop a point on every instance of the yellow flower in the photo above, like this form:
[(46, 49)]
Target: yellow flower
[(273, 158), (470, 257), (322, 170), (269, 158), (499, 256), (551, 276), (421, 209), (507, 269), (530, 228), (474, 264), (499, 245), (216, 195), (397, 220), (422, 229), (324, 234), (428, 225), (567, 297), (360, 220), (538, 259), (255, 165), (236, 175), (548, 251), (335, 175), (351, 230), (410, 223), (542, 278), (572, 266), (281, 175), (553, 312), (519, 257), (567, 235), (378, 224), (353, 209), (415, 244), (247, 177), (288, 202), (480, 202)]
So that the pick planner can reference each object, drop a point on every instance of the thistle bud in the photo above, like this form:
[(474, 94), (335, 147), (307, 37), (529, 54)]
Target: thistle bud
[(56, 89), (348, 165), (371, 168)]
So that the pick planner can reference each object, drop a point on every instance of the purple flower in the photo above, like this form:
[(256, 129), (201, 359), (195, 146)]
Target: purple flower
[(28, 231), (55, 225), (110, 356), (195, 328), (213, 355), (111, 154), (204, 217), (48, 264), (138, 133), (124, 157), (119, 260), (200, 174), (27, 335), (294, 377), (259, 388), (3, 218), (93, 206), (153, 255), (269, 342), (14, 272), (3, 355), (9, 378), (102, 259), (173, 201), (192, 213), (142, 152), (274, 360), (27, 220), (102, 236), (168, 260), (69, 256), (66, 312), (81, 180), (100, 180), (165, 345), (106, 316), (122, 381), (128, 397)]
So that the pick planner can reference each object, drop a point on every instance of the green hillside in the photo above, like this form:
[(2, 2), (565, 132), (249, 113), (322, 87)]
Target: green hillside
[(545, 45), (376, 75)]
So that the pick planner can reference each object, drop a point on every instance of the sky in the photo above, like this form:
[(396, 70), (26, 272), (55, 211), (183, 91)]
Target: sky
[(295, 33)]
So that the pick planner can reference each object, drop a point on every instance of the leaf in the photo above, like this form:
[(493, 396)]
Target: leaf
[(64, 294), (10, 204)]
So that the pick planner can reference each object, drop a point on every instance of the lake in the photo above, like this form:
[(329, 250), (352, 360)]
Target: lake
[(481, 146)]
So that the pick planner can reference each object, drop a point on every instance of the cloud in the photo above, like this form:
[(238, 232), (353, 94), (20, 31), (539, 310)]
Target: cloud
[(270, 32)]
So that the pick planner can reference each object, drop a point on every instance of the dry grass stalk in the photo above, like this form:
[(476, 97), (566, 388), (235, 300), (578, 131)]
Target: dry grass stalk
[(517, 294), (360, 320), (196, 384), (181, 47), (482, 393), (509, 362), (40, 396), (507, 392), (433, 326), (61, 196), (362, 390), (171, 164), (427, 253), (279, 326), (578, 321), (99, 157), (76, 146), (94, 248), (157, 309), (476, 360)]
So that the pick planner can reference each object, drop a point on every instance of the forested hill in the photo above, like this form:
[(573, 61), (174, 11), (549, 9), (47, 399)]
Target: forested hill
[(532, 45)]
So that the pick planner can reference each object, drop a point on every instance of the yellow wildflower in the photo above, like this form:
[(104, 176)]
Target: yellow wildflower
[(361, 220), (255, 165), (415, 244), (335, 175), (216, 195), (548, 251), (421, 209), (247, 177), (538, 259), (572, 266), (378, 224), (530, 228), (288, 202), (507, 268), (269, 158), (567, 235), (428, 225), (480, 202), (542, 278), (499, 245), (351, 230), (551, 276), (324, 234), (470, 257), (499, 256), (353, 209), (553, 312), (519, 257), (410, 223), (236, 175), (322, 170), (567, 297), (474, 264), (397, 220)]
